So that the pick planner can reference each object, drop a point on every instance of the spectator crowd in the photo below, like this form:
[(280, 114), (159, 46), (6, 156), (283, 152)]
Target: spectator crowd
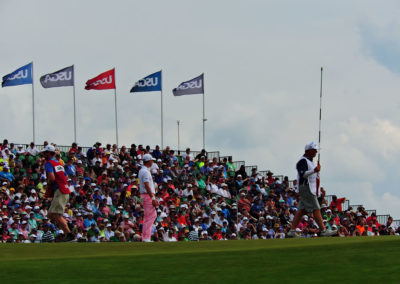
[(200, 199)]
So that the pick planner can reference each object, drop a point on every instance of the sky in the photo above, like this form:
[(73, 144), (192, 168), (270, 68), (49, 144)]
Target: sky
[(261, 61)]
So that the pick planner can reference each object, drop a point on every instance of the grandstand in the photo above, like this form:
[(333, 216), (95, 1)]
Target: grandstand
[(259, 206)]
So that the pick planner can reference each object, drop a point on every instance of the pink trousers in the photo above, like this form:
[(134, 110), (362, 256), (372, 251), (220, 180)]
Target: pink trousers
[(150, 215)]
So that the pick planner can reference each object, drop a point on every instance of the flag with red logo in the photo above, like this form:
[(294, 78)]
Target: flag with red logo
[(103, 81)]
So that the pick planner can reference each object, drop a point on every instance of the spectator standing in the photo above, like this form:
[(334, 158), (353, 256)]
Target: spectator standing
[(337, 202)]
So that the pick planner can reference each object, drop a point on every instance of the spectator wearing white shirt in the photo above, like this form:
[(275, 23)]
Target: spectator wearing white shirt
[(170, 236), (20, 150), (212, 187), (187, 191), (187, 155), (32, 150)]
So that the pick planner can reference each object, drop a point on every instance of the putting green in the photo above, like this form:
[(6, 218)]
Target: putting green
[(371, 259)]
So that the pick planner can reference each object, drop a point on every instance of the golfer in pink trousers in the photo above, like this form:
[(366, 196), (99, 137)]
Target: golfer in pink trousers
[(147, 193)]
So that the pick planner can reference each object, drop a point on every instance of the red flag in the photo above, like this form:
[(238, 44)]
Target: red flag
[(104, 81)]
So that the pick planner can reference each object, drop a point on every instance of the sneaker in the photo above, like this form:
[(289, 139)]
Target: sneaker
[(69, 238), (328, 233), (147, 241), (293, 234)]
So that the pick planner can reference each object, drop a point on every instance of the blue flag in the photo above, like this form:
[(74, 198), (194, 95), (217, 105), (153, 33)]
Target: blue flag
[(21, 76), (150, 83)]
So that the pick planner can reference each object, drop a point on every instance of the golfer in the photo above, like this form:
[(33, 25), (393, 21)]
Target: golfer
[(307, 173), (58, 190), (147, 193)]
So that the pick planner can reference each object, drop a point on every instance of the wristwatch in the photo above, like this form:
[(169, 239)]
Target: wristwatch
[(153, 198)]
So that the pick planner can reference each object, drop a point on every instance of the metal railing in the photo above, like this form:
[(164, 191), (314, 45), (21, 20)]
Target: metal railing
[(328, 199), (248, 169), (382, 219), (280, 177), (238, 164), (355, 207), (346, 205), (212, 155), (221, 158), (370, 212)]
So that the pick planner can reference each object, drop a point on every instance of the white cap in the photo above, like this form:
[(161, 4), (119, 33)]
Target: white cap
[(108, 225), (49, 148), (311, 145), (147, 157), (60, 231)]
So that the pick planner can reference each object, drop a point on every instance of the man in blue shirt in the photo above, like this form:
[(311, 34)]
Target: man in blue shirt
[(70, 168), (6, 175), (157, 153), (89, 221)]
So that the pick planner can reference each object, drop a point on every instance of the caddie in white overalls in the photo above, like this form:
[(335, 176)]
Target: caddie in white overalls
[(307, 174)]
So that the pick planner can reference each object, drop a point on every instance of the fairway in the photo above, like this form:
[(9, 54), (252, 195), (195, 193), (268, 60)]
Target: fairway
[(274, 261)]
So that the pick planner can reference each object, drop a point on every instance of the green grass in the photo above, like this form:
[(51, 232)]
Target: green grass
[(350, 260)]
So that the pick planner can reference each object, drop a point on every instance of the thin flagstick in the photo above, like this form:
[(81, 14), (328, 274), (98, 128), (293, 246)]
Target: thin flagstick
[(319, 133), (73, 88), (320, 118), (116, 112), (33, 106)]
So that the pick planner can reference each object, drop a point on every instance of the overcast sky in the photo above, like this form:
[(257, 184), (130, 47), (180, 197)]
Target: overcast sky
[(261, 61)]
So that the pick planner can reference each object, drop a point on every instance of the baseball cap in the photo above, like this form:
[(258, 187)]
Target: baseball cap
[(147, 157), (311, 146), (49, 148)]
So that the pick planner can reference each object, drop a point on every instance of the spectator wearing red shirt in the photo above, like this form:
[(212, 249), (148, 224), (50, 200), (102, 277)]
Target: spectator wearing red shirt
[(337, 202), (373, 219), (74, 150)]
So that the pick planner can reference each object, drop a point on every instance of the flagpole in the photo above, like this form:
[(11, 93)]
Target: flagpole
[(33, 106), (116, 114), (320, 117), (73, 87), (204, 121), (162, 117)]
